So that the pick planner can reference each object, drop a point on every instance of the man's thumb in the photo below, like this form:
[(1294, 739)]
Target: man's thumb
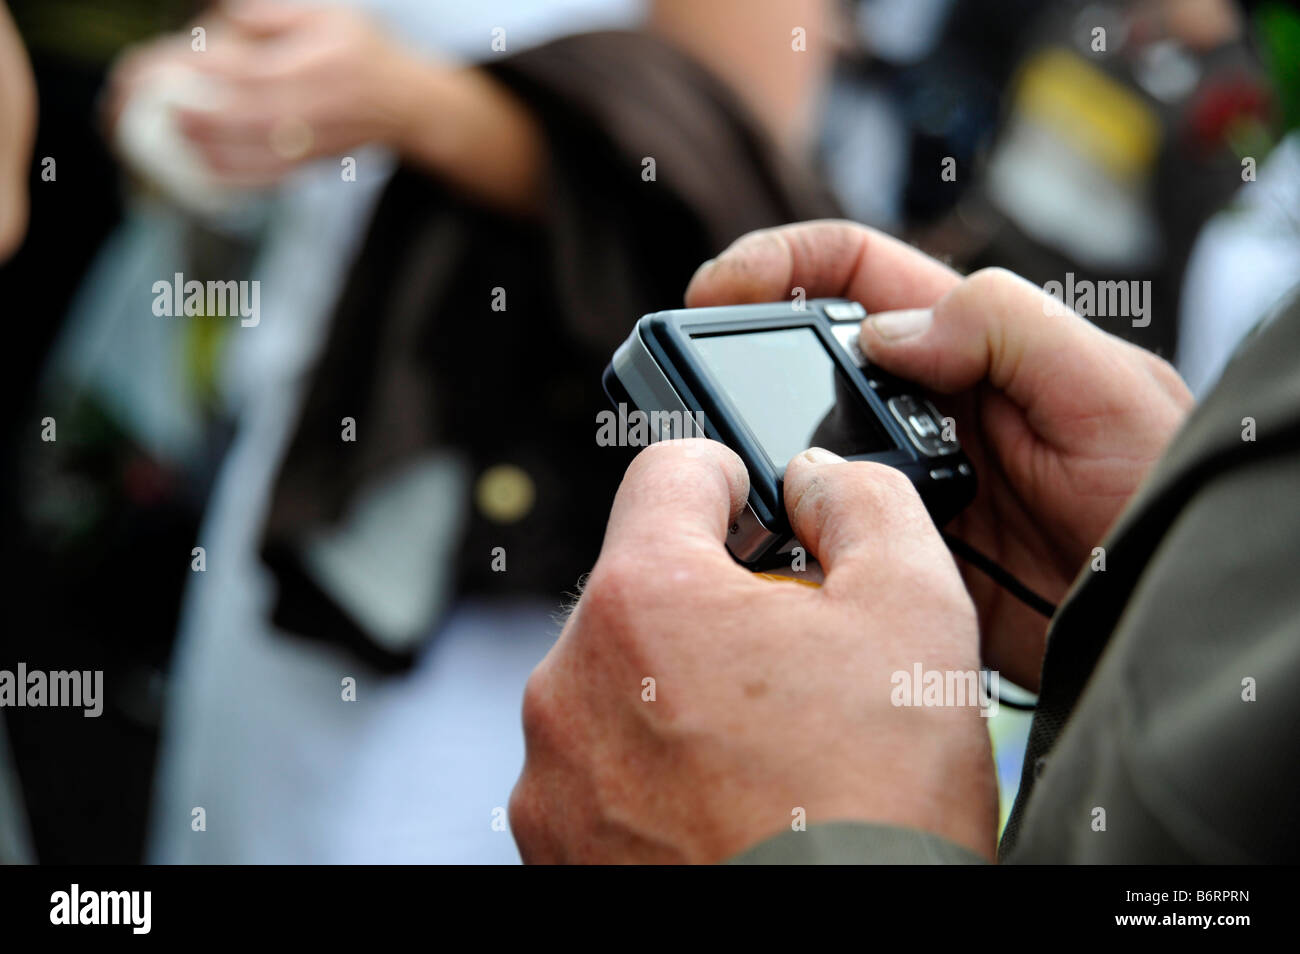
[(850, 514), (994, 326)]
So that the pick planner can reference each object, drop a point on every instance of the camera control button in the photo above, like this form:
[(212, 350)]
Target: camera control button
[(923, 424), (847, 336), (941, 473), (845, 311)]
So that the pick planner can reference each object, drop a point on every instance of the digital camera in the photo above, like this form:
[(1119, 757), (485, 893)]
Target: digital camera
[(771, 380)]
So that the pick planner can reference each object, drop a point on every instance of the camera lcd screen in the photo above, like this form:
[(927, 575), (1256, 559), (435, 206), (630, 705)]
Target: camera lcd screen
[(791, 394)]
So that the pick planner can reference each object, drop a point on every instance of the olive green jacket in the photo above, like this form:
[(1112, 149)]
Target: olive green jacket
[(1171, 684)]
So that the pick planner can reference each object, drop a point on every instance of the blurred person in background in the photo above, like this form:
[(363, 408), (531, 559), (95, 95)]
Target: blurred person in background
[(447, 253), (49, 227), (1090, 138), (87, 528)]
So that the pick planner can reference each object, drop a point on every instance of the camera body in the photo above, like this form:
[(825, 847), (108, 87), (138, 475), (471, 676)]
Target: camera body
[(770, 380)]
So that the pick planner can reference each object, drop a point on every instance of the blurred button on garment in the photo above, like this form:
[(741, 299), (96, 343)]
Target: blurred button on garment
[(505, 493)]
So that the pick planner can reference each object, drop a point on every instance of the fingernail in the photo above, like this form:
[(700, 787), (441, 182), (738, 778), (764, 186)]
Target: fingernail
[(897, 325), (819, 455)]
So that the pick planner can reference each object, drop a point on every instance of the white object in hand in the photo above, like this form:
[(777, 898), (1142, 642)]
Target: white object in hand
[(150, 141)]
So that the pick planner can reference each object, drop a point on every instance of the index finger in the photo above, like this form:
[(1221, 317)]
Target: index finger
[(826, 259)]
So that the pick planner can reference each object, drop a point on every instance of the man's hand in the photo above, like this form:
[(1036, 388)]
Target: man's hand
[(690, 708), (1061, 420)]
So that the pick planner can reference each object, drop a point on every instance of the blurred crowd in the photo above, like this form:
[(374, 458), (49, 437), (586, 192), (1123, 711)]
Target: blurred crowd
[(316, 546)]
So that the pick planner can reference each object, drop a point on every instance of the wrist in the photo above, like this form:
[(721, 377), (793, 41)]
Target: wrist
[(410, 93), (466, 128)]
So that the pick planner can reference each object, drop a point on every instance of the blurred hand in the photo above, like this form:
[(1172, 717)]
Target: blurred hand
[(303, 81), (309, 81), (17, 131), (768, 696), (1061, 420)]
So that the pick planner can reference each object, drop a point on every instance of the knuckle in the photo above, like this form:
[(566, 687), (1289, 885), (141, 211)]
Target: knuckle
[(1166, 375), (989, 286), (992, 276), (538, 712), (622, 603), (614, 591), (818, 250), (522, 812), (890, 479), (744, 259), (816, 237), (885, 486)]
